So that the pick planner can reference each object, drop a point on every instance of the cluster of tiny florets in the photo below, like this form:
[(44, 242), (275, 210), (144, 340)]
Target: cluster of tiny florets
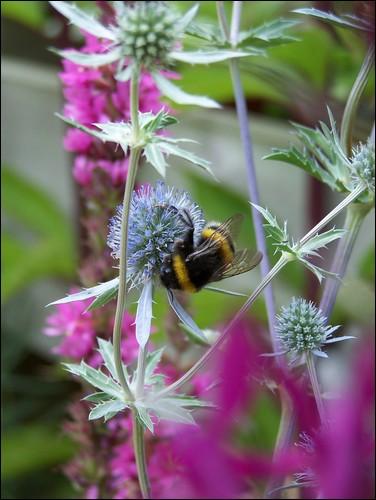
[(148, 32), (301, 327), (363, 165), (155, 222)]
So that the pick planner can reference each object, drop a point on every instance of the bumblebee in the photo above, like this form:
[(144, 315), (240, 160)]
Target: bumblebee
[(191, 266)]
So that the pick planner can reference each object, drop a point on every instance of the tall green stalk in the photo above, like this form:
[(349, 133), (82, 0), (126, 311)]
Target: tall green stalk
[(353, 100), (138, 431)]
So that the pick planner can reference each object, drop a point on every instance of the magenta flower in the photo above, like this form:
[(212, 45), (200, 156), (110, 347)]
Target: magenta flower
[(95, 96), (76, 328)]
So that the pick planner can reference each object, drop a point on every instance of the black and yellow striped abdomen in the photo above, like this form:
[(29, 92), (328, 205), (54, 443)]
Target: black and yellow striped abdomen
[(225, 245)]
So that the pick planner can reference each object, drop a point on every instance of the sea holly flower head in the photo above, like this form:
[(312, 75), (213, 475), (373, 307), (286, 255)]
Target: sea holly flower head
[(155, 222), (149, 31), (363, 165), (302, 328), (145, 35)]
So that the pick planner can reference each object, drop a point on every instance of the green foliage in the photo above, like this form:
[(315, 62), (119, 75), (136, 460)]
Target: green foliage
[(344, 21), (321, 156), (33, 447), (47, 249), (30, 13)]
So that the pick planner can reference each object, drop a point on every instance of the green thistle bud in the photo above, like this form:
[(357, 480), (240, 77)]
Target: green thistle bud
[(363, 165), (301, 328), (147, 33)]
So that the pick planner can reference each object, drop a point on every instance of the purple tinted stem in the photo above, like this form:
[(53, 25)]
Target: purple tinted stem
[(254, 195), (242, 112)]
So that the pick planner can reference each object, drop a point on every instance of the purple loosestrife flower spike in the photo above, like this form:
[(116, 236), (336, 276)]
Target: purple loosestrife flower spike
[(154, 225)]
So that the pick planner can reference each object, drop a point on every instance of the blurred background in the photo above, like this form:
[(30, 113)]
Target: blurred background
[(41, 207)]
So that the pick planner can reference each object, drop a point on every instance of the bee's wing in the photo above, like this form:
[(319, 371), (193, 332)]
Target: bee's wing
[(230, 227), (244, 260)]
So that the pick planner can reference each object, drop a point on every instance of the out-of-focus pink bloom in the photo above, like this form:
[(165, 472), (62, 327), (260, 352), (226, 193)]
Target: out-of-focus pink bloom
[(213, 467), (78, 331), (75, 326), (344, 460), (94, 96)]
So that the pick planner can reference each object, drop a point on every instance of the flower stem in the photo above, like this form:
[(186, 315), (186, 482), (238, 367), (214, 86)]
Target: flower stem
[(344, 203), (285, 435), (139, 451), (315, 386), (353, 100), (138, 431), (121, 300), (241, 108), (209, 353), (355, 215), (283, 260)]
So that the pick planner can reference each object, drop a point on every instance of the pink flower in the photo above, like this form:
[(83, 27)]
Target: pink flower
[(94, 96), (75, 326)]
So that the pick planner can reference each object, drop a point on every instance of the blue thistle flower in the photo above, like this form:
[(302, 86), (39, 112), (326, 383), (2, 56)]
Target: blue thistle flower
[(154, 225), (301, 328), (363, 165)]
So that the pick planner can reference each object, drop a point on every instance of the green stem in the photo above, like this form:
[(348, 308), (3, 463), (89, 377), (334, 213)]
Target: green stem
[(121, 300), (315, 386), (355, 215), (285, 434), (139, 451), (138, 430), (353, 100), (122, 293), (202, 361)]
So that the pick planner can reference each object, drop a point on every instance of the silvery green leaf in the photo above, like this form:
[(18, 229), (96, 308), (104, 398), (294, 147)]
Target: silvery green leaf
[(269, 34), (345, 21), (125, 74), (120, 133), (319, 354), (156, 158), (339, 339), (94, 291), (104, 297), (190, 402), (174, 150), (273, 229), (107, 351), (207, 57), (208, 32), (144, 417), (152, 361), (97, 397), (182, 23), (179, 96), (321, 240), (82, 20), (300, 159), (95, 378), (144, 314), (226, 292), (168, 409), (317, 271), (193, 337), (90, 60), (106, 408), (184, 317), (152, 123), (90, 131)]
